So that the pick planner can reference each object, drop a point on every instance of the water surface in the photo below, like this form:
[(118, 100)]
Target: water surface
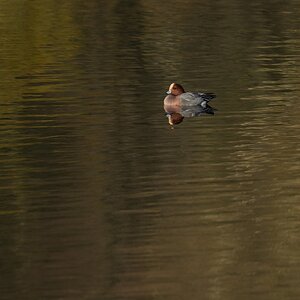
[(101, 199)]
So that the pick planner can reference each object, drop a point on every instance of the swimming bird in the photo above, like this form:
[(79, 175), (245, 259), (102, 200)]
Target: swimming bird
[(178, 97)]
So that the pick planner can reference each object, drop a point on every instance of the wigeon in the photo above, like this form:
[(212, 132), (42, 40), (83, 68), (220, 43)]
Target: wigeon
[(178, 97)]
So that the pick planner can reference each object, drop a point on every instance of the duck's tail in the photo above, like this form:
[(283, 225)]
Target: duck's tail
[(209, 110)]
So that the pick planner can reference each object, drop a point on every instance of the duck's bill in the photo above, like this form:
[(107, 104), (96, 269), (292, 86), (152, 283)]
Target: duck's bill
[(168, 92), (170, 120)]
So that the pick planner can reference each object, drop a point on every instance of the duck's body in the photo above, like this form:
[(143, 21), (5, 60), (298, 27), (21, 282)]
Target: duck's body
[(178, 97)]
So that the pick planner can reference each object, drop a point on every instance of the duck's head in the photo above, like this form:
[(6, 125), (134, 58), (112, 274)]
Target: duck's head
[(175, 89), (175, 118)]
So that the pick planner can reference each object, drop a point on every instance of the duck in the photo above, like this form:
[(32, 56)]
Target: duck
[(177, 96)]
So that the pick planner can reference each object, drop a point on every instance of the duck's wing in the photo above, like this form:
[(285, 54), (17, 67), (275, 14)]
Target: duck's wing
[(197, 98), (190, 99)]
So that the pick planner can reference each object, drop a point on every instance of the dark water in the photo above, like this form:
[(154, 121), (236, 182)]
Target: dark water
[(100, 199)]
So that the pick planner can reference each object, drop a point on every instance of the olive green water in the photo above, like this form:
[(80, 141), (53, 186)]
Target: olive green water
[(101, 199)]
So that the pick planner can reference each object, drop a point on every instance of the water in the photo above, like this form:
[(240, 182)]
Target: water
[(101, 199)]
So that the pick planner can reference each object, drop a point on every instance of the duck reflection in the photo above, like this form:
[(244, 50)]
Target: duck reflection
[(176, 114)]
